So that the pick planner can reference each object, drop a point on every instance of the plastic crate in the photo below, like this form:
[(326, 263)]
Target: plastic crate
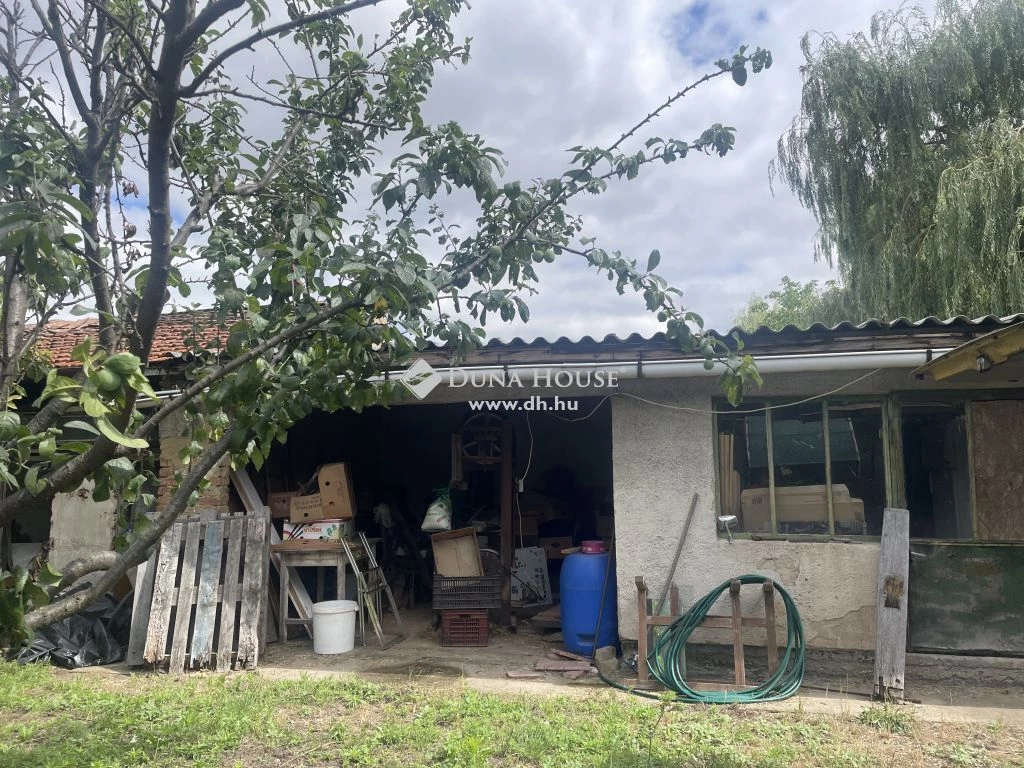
[(460, 593), (463, 628)]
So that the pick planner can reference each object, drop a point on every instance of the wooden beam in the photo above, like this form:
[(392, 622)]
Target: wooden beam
[(891, 631), (505, 505)]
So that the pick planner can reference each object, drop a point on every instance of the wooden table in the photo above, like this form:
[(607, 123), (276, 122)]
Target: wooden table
[(316, 554)]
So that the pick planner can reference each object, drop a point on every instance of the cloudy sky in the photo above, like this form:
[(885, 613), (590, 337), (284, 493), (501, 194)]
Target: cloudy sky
[(548, 75)]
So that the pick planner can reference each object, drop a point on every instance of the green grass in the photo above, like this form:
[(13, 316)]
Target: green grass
[(51, 719), (890, 718)]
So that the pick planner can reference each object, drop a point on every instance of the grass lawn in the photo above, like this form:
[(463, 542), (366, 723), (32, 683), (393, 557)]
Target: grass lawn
[(53, 719)]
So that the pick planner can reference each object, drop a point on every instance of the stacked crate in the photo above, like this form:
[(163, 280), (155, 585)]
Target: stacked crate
[(465, 603)]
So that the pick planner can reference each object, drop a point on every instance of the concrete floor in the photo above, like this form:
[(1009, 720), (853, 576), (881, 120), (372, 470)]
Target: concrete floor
[(421, 658)]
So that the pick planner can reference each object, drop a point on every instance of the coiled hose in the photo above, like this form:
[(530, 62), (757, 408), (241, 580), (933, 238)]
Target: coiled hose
[(667, 662)]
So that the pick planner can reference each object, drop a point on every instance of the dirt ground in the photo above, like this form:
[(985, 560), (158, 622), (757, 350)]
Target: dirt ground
[(421, 657)]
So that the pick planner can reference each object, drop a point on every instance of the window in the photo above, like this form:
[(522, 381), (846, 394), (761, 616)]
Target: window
[(814, 468), (936, 471)]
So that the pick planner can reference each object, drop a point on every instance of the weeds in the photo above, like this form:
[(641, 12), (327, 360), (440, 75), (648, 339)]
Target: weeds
[(50, 719), (889, 718)]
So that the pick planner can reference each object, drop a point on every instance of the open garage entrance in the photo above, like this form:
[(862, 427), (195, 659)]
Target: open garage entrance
[(534, 484)]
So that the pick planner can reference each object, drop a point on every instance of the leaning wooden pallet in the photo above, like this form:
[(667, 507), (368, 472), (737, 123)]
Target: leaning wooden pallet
[(297, 592), (209, 588)]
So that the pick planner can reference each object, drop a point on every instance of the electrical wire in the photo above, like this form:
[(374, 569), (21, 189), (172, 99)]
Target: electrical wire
[(715, 412), (529, 461), (667, 660)]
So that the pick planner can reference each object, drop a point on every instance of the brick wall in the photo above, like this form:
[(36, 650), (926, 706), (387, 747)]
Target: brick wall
[(172, 442)]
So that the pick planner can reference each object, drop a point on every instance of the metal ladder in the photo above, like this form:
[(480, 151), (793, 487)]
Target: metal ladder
[(369, 586)]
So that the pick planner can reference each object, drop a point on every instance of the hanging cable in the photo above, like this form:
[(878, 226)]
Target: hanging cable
[(667, 662)]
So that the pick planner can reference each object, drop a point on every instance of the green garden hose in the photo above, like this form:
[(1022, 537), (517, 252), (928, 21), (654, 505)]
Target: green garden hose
[(667, 662)]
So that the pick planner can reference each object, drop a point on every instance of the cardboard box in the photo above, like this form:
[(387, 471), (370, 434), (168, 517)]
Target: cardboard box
[(553, 546), (336, 493), (321, 530), (279, 503), (457, 553), (525, 525), (304, 509), (799, 507)]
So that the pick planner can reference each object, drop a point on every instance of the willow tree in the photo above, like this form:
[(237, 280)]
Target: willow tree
[(795, 303), (320, 279), (909, 151)]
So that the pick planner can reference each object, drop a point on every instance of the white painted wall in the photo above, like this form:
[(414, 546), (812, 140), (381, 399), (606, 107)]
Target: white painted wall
[(80, 526), (662, 456)]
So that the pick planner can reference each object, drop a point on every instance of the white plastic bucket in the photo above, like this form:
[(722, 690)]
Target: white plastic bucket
[(334, 626)]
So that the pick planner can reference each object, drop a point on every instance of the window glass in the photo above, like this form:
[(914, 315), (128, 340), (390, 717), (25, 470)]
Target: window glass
[(858, 467), (743, 468), (936, 470), (798, 456)]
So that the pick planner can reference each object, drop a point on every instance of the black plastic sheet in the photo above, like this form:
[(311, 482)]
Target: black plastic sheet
[(98, 635)]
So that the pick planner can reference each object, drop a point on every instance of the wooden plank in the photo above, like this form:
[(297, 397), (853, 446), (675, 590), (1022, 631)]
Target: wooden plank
[(569, 655), (186, 587), (737, 633), (142, 603), (771, 642), (505, 503), (560, 665), (229, 600), (726, 622), (296, 589), (641, 635), (891, 631), (206, 600), (252, 587), (163, 585), (675, 559)]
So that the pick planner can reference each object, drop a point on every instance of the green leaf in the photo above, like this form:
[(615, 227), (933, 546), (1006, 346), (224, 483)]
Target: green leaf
[(140, 384), (33, 484), (113, 434), (653, 260), (48, 576), (83, 426), (121, 468), (47, 447), (93, 406)]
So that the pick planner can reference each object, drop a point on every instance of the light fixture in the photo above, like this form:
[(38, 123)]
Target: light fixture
[(983, 363)]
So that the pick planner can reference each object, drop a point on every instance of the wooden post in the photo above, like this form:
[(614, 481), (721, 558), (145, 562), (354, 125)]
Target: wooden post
[(641, 635), (771, 643), (737, 633), (506, 520), (891, 631)]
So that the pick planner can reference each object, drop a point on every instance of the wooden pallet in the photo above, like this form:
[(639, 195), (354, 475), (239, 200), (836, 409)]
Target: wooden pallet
[(209, 586)]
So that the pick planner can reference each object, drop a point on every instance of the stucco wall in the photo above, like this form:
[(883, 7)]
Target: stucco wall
[(661, 457)]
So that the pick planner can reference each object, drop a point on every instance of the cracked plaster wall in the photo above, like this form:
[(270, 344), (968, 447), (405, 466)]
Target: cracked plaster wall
[(661, 457)]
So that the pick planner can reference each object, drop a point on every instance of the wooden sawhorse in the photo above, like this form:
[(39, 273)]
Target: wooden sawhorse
[(736, 622)]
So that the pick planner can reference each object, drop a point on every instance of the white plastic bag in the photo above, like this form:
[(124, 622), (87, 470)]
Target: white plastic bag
[(439, 514)]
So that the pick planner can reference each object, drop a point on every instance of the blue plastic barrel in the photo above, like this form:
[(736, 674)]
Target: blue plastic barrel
[(582, 581)]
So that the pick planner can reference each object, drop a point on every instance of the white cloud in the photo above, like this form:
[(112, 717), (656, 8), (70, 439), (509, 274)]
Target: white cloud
[(545, 76)]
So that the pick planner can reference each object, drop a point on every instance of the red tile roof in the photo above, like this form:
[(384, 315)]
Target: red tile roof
[(175, 336)]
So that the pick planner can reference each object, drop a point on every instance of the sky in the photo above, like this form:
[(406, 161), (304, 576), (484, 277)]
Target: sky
[(545, 76)]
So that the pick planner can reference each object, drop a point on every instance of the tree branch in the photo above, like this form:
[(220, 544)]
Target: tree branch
[(83, 566), (262, 34), (139, 549)]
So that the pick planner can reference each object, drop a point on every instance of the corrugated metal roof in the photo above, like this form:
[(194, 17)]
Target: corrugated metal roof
[(178, 331), (898, 324)]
